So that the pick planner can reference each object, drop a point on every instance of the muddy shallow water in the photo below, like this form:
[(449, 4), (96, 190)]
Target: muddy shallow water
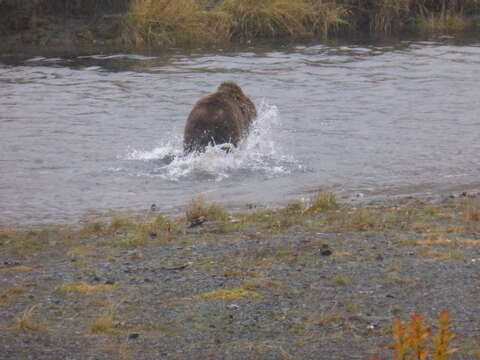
[(105, 131)]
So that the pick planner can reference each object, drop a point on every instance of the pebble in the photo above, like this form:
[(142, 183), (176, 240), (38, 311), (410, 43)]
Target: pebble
[(325, 250)]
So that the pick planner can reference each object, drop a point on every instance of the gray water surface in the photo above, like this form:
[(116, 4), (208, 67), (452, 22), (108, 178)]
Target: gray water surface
[(105, 131)]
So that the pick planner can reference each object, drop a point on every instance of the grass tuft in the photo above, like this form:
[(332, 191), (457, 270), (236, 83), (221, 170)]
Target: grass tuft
[(133, 240), (27, 321), (106, 323), (19, 268), (103, 324), (230, 294), (199, 208), (359, 219), (471, 214), (85, 288), (7, 295), (341, 281), (322, 201)]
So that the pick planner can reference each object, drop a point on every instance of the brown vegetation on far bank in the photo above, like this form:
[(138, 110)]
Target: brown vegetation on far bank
[(199, 23)]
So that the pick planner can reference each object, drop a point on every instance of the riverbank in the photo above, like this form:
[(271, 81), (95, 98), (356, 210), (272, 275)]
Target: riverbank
[(314, 279), (144, 24)]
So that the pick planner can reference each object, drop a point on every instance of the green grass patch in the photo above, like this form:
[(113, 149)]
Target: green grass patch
[(230, 294), (22, 242), (85, 288)]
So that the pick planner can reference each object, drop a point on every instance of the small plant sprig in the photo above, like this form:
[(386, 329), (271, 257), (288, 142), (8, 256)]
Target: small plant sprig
[(418, 335), (401, 345), (442, 338), (411, 339)]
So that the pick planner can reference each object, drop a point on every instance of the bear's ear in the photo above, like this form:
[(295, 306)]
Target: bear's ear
[(229, 87)]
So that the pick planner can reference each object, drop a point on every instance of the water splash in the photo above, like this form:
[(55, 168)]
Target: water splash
[(258, 154), (168, 151)]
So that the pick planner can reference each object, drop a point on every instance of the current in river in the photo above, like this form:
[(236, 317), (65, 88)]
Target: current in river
[(104, 131)]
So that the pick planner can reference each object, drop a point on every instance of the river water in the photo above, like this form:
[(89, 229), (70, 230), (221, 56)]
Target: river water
[(104, 131)]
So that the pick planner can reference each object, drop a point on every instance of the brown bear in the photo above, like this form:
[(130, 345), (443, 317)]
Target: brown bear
[(222, 117)]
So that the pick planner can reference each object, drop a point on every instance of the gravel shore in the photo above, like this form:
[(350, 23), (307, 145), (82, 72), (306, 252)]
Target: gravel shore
[(301, 282)]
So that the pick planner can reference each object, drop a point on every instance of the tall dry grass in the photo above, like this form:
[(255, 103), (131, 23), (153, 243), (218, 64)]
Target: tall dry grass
[(394, 16), (283, 18), (445, 15), (175, 23), (199, 23), (189, 23)]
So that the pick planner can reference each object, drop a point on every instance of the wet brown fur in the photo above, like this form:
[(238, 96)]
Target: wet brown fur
[(222, 117)]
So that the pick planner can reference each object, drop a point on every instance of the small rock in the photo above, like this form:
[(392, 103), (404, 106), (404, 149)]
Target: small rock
[(325, 250), (11, 263), (196, 222), (134, 336), (233, 306)]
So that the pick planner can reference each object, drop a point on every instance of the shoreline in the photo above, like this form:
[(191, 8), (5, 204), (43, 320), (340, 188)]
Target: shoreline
[(296, 280), (348, 197)]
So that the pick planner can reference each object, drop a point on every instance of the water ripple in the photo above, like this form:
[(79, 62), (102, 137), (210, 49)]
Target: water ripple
[(105, 130)]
